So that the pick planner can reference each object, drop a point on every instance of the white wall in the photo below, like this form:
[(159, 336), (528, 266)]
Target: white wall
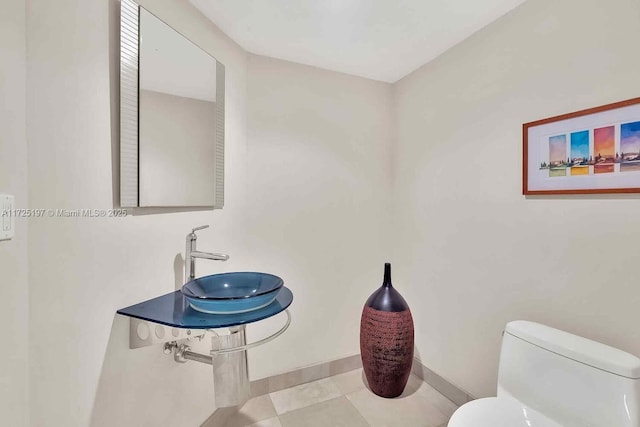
[(309, 173), (307, 199), (13, 180), (174, 170), (83, 270), (318, 211), (473, 252)]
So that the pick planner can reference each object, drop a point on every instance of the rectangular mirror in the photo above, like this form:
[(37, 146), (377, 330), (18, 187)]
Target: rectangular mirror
[(171, 116)]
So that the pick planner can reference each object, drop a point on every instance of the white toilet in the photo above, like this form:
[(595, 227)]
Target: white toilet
[(550, 378)]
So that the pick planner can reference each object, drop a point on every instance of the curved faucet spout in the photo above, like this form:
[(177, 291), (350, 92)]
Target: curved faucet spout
[(208, 255), (191, 254)]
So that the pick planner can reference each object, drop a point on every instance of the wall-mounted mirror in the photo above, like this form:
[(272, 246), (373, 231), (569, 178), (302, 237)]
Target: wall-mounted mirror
[(171, 116)]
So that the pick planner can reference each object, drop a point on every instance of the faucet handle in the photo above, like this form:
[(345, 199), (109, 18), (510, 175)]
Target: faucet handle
[(202, 227)]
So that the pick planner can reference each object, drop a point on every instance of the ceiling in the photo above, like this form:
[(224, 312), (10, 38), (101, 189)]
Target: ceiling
[(171, 64), (378, 39)]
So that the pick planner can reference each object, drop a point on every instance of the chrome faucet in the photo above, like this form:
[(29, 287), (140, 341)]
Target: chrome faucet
[(191, 254)]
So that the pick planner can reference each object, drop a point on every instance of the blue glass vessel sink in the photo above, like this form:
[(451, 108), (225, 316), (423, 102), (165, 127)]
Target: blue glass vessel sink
[(173, 310), (232, 293)]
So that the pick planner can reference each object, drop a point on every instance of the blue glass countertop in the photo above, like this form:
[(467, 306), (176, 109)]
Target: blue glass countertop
[(173, 310)]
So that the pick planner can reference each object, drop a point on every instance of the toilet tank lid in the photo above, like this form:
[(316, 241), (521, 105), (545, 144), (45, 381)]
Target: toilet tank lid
[(574, 347)]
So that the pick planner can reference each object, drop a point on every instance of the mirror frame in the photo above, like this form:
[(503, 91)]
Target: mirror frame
[(129, 95)]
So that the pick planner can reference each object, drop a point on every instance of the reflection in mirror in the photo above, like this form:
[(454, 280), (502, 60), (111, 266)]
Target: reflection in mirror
[(177, 81), (179, 129)]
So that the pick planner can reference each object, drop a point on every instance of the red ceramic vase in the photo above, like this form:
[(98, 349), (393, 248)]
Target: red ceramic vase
[(386, 339)]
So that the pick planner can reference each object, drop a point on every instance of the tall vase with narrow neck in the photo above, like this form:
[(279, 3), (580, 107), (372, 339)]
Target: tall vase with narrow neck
[(386, 339)]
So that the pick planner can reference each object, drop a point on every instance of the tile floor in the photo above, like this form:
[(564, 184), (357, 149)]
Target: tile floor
[(344, 401)]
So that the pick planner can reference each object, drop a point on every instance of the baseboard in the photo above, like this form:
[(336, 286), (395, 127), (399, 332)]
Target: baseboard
[(286, 380), (324, 370), (305, 375), (445, 387)]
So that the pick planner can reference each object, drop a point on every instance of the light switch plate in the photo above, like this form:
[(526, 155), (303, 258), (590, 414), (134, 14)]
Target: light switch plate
[(7, 223)]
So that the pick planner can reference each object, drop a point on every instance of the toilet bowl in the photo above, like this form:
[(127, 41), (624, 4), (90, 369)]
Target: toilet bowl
[(550, 378), (499, 412)]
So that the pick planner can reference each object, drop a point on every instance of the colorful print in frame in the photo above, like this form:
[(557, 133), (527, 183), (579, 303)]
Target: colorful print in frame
[(590, 151)]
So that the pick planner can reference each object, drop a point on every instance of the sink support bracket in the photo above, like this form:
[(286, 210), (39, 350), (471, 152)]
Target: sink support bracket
[(228, 357)]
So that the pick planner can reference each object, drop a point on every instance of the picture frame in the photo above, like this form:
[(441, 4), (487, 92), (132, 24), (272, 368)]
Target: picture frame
[(592, 151)]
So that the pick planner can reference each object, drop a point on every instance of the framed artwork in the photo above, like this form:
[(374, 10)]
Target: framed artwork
[(587, 152)]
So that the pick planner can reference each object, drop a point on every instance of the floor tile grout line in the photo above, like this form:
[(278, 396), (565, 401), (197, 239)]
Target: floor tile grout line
[(325, 401), (326, 380), (345, 394), (358, 410)]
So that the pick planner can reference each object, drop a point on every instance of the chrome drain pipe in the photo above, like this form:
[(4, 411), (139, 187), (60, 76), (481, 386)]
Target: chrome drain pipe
[(182, 353), (228, 360)]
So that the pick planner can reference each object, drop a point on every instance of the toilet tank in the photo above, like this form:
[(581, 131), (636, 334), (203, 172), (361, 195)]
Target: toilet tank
[(573, 380)]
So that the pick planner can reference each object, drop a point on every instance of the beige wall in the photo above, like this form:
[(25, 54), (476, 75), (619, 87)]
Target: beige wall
[(309, 173), (306, 200), (471, 252), (83, 270), (319, 175), (175, 170), (13, 180)]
